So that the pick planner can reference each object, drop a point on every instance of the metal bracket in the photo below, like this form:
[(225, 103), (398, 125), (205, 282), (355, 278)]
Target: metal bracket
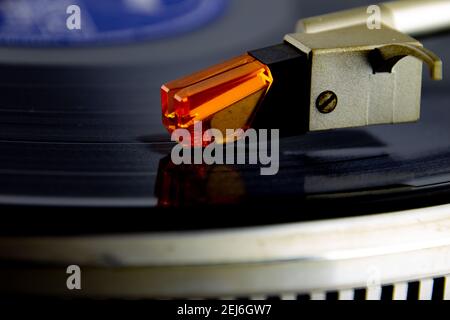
[(375, 76), (383, 59)]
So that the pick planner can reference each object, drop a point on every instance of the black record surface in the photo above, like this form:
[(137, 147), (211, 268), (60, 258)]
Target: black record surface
[(88, 133)]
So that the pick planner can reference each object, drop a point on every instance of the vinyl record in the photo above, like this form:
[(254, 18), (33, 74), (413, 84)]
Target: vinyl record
[(81, 125)]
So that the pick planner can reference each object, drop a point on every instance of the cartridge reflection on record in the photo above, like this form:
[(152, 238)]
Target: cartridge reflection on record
[(197, 184)]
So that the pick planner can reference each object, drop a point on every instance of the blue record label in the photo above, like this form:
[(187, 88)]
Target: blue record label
[(78, 22)]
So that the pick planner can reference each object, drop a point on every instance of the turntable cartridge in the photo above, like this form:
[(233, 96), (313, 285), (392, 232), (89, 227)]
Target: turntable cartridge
[(338, 70)]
